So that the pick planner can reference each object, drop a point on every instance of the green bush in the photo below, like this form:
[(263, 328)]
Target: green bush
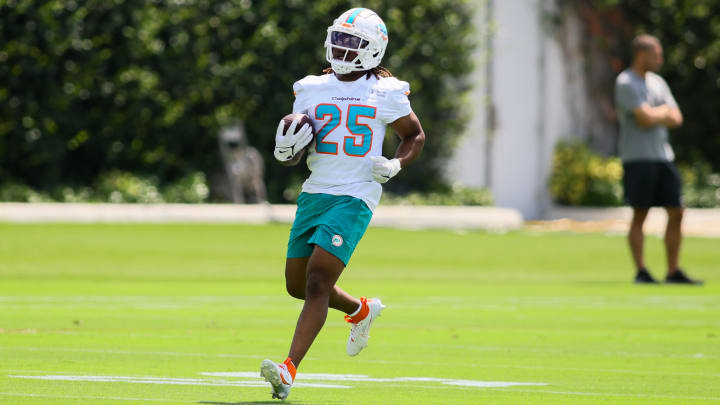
[(689, 31), (123, 187), (144, 86), (701, 187), (116, 187), (191, 189), (456, 195), (74, 195), (581, 177), (16, 192)]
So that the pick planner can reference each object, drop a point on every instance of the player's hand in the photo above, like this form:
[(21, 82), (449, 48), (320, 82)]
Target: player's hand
[(384, 169), (286, 146)]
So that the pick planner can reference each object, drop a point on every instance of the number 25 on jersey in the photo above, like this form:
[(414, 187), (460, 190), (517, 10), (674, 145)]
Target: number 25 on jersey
[(359, 132)]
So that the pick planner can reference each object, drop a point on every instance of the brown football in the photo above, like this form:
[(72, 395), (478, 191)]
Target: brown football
[(304, 119)]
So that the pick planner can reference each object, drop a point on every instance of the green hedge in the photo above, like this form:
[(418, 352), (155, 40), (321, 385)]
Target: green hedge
[(581, 177), (701, 187), (116, 187), (137, 86)]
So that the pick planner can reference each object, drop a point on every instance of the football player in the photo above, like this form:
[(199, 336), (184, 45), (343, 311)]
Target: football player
[(350, 106)]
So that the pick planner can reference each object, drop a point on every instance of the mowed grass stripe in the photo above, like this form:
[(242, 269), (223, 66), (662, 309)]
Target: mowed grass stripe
[(175, 301)]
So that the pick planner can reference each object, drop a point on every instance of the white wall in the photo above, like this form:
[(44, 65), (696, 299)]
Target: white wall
[(535, 85), (468, 164)]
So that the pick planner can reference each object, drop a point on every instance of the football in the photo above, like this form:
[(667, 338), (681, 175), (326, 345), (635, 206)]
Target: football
[(304, 119)]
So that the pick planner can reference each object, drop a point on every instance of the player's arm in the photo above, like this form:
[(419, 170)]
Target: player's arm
[(646, 116), (412, 138)]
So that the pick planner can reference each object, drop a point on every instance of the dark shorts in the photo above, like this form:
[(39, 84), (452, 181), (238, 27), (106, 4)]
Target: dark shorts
[(652, 184)]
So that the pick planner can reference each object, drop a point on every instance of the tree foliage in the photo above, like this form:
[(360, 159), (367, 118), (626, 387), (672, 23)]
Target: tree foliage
[(143, 86), (689, 31)]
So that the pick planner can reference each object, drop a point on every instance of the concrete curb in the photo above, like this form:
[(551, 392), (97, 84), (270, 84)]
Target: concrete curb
[(408, 217), (696, 221)]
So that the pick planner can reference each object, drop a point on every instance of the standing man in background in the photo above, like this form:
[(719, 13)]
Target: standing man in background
[(646, 110)]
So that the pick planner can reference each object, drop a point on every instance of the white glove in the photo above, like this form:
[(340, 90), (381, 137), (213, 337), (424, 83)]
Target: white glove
[(384, 169), (286, 146)]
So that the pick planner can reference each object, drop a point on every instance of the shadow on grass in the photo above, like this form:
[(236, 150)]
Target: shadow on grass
[(268, 402)]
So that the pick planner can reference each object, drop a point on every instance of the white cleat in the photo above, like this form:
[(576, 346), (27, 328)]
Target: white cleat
[(278, 376), (360, 332)]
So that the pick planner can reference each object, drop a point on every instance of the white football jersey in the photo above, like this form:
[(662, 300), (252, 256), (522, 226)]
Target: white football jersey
[(349, 119)]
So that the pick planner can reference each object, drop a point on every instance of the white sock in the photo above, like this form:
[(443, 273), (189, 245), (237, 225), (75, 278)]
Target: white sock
[(357, 311)]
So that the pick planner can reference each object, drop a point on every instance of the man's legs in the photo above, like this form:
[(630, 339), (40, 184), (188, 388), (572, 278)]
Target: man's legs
[(295, 282), (673, 237), (323, 270), (636, 237)]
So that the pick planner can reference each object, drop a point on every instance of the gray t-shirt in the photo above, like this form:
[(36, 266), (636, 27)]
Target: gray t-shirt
[(638, 143)]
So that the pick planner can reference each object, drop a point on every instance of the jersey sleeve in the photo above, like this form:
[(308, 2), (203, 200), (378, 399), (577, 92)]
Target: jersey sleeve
[(627, 97), (300, 106), (396, 104), (669, 98)]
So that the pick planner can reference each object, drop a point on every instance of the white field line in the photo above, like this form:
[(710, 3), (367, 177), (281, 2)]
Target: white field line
[(457, 384), (167, 381), (21, 394), (251, 379), (365, 378), (484, 366)]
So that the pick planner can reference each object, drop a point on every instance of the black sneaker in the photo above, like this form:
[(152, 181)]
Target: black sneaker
[(679, 277), (644, 277)]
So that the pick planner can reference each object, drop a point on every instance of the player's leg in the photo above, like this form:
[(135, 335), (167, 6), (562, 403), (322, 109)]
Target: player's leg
[(636, 237), (670, 194), (639, 179), (323, 270), (319, 279), (673, 237), (295, 282)]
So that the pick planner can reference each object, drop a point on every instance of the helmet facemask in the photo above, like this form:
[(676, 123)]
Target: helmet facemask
[(346, 52), (355, 42)]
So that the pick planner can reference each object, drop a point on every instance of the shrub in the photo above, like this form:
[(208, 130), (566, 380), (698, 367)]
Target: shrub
[(144, 86), (191, 189), (123, 187), (701, 187), (21, 193), (581, 177), (456, 195)]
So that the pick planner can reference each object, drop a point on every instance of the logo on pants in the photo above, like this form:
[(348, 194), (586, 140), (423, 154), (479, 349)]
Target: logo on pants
[(337, 240)]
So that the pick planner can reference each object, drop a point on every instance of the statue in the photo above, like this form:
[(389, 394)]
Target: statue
[(244, 166)]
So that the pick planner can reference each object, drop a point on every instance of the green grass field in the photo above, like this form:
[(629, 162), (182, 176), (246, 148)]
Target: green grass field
[(101, 314)]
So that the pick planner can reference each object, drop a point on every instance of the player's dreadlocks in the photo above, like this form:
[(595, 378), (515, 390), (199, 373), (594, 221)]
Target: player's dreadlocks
[(377, 71)]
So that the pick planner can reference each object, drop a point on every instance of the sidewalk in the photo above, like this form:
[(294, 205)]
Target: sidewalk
[(696, 222), (407, 217)]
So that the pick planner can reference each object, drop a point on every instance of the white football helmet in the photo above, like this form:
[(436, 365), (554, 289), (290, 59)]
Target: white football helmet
[(358, 31)]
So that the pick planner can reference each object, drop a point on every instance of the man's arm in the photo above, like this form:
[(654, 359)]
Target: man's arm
[(412, 138), (646, 116), (674, 118)]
